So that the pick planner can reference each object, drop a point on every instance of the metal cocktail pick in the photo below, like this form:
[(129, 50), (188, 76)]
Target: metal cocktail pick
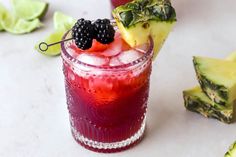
[(43, 46)]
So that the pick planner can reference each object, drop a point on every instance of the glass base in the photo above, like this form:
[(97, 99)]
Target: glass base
[(109, 147)]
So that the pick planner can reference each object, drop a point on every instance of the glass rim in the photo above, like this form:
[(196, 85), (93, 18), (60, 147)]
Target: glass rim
[(67, 56)]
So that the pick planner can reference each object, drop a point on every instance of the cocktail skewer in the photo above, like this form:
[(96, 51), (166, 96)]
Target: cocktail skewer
[(43, 46)]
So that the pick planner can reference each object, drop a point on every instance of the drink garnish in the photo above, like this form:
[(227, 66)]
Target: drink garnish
[(62, 23), (43, 46), (139, 19), (84, 31), (104, 31)]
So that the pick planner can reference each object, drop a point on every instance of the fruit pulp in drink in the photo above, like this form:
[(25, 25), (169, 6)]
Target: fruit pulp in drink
[(116, 3), (107, 90)]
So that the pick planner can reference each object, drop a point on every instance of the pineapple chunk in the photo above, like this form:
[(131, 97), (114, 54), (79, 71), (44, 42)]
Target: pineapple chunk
[(232, 151), (140, 19), (217, 79), (231, 57), (196, 101)]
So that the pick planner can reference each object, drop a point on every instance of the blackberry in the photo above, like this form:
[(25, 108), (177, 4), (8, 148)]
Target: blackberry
[(103, 31), (83, 33)]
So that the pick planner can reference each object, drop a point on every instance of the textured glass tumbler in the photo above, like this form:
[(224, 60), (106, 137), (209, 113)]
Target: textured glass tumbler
[(107, 105)]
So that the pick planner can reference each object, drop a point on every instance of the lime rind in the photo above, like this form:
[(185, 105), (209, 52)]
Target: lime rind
[(52, 50), (15, 25), (29, 9), (3, 11), (62, 21), (1, 28)]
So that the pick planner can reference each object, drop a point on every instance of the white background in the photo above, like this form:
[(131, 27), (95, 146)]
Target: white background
[(33, 114)]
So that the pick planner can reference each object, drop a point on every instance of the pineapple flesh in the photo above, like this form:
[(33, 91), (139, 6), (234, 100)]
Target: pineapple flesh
[(231, 57), (217, 79), (196, 101), (140, 19)]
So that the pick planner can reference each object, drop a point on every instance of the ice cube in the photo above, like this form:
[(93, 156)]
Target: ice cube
[(91, 59), (114, 48), (71, 76), (71, 49), (142, 48), (72, 52), (129, 56), (114, 61)]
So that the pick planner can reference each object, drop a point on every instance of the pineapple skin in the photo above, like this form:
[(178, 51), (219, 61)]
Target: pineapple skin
[(196, 101), (232, 151), (216, 92), (140, 19)]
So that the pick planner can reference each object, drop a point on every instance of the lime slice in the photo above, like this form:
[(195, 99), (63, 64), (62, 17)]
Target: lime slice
[(29, 9), (62, 21), (55, 49), (16, 25), (3, 11)]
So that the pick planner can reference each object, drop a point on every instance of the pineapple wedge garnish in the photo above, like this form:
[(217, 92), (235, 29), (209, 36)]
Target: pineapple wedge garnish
[(140, 19)]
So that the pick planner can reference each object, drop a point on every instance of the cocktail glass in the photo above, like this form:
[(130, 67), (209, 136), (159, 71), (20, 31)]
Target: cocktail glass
[(107, 102)]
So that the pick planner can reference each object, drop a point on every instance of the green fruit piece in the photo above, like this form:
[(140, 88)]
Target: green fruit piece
[(62, 21), (16, 25), (55, 49), (217, 79), (232, 151), (140, 19), (231, 57), (62, 24), (3, 11), (29, 9), (196, 101)]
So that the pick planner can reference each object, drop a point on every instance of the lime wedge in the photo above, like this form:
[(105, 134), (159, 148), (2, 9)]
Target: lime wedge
[(62, 21), (29, 9), (3, 11), (55, 49), (16, 25)]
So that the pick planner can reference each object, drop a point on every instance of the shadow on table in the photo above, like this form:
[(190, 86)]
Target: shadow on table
[(159, 116)]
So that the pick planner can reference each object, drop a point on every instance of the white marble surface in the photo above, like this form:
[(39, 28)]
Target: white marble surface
[(33, 114)]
